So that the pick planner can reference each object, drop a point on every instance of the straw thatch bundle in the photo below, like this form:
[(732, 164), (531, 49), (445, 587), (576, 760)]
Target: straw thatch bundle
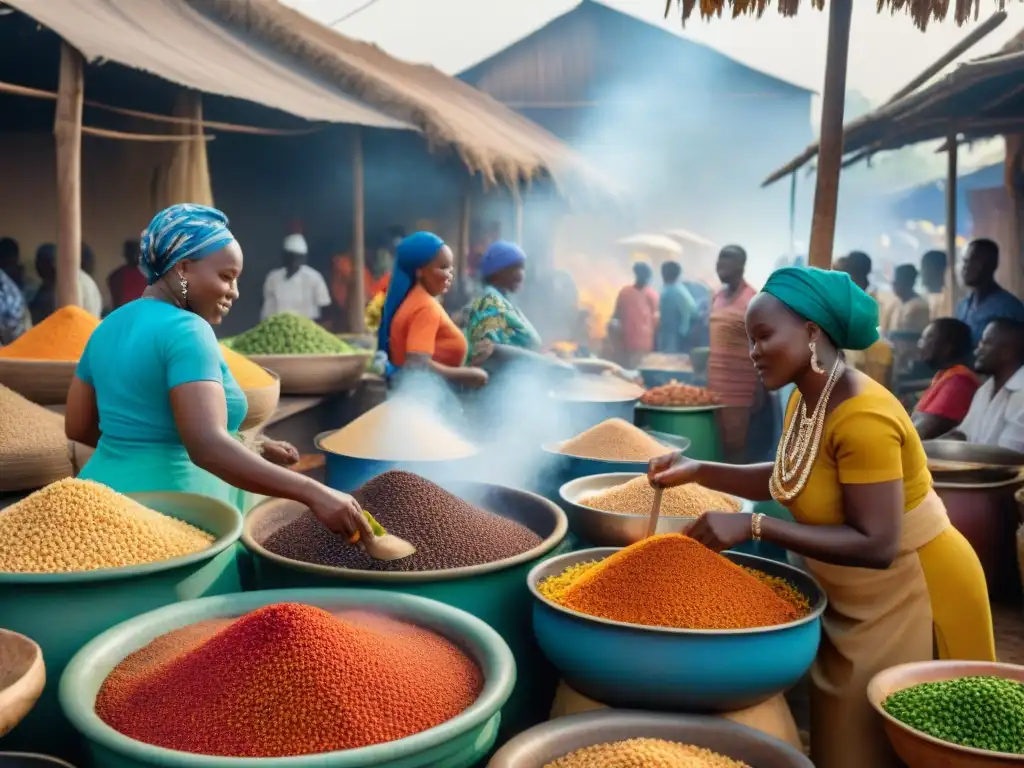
[(922, 11), (489, 137)]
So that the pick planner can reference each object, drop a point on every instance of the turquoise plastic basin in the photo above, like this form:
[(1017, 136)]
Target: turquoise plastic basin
[(460, 743), (495, 592), (679, 670), (63, 611)]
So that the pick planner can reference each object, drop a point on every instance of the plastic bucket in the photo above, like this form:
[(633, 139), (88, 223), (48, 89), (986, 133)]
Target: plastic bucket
[(698, 424), (459, 743), (63, 611)]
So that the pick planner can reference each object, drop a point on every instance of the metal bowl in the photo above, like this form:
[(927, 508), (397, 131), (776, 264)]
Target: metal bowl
[(545, 743), (658, 668), (610, 529), (961, 463), (29, 760), (919, 750)]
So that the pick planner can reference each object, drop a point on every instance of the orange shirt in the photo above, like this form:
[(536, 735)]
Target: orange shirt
[(422, 327)]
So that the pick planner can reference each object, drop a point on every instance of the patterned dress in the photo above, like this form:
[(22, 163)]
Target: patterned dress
[(493, 318)]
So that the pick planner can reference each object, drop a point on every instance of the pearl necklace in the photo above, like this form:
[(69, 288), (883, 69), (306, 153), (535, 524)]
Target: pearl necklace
[(798, 449)]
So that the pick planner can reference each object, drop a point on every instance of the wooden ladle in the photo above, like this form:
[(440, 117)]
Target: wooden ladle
[(652, 523)]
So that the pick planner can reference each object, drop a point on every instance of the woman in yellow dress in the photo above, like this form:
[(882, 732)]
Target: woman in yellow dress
[(901, 581)]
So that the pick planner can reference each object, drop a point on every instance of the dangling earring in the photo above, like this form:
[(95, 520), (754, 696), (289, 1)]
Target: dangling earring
[(184, 289), (815, 366)]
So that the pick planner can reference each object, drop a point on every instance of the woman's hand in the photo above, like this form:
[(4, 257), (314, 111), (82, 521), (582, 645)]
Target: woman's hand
[(340, 513), (671, 470), (473, 378), (280, 453), (719, 531)]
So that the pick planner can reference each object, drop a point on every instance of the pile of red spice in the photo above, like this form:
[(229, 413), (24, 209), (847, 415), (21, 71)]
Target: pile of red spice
[(288, 680)]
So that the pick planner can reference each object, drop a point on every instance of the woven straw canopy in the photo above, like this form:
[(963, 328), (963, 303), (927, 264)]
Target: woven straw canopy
[(922, 11)]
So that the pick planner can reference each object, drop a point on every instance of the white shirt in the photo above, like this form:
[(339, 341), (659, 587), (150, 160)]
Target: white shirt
[(304, 293), (89, 297), (997, 420)]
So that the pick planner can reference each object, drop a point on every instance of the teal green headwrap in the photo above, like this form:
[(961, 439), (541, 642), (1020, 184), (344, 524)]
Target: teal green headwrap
[(831, 300)]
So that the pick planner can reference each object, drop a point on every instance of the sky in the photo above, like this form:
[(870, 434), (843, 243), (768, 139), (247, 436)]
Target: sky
[(885, 52)]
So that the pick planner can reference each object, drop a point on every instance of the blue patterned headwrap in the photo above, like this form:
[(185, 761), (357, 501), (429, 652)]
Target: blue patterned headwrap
[(183, 231), (414, 252), (501, 255)]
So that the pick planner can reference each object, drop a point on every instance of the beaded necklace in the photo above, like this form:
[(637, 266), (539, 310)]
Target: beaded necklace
[(798, 449)]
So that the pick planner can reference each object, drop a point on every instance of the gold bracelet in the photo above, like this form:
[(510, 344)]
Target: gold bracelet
[(755, 525)]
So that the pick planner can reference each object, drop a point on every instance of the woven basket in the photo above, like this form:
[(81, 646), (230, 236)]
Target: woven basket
[(315, 374), (28, 467), (40, 381), (262, 403)]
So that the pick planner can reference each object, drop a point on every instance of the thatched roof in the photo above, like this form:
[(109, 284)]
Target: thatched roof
[(981, 98), (922, 11), (489, 137)]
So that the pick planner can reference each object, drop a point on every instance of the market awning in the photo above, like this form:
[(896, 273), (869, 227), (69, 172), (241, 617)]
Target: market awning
[(172, 40)]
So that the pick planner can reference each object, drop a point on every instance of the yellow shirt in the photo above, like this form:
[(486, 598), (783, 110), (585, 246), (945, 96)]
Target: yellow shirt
[(867, 439)]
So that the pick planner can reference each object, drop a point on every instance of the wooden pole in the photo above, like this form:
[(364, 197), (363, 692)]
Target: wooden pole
[(517, 197), (358, 293), (462, 257), (792, 217), (67, 131), (830, 156), (951, 186)]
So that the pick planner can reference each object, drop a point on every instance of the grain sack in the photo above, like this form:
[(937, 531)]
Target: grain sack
[(33, 447)]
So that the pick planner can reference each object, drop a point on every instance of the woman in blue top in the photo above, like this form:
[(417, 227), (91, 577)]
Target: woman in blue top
[(152, 392)]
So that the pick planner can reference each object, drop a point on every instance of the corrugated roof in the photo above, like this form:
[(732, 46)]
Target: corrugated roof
[(170, 39)]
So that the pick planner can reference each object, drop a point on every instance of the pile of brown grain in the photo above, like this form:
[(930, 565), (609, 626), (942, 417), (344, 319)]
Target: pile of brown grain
[(636, 497), (446, 531), (399, 430), (33, 447), (614, 440), (645, 753)]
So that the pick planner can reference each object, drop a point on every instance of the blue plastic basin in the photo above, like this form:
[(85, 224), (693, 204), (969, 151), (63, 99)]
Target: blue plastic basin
[(633, 666), (459, 743), (347, 473), (494, 592), (63, 611)]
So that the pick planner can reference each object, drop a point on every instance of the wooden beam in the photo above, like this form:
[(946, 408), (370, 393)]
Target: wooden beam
[(951, 187), (517, 199), (462, 257), (830, 156), (358, 293), (67, 131)]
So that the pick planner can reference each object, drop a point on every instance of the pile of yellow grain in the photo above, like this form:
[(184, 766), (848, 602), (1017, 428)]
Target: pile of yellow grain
[(59, 338), (78, 525), (645, 753), (399, 430), (246, 372), (615, 440), (636, 497), (33, 448)]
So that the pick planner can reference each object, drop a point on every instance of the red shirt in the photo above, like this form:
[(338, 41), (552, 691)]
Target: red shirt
[(637, 311), (950, 393), (126, 284)]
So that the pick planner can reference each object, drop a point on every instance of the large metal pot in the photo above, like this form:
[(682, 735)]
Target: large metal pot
[(979, 497)]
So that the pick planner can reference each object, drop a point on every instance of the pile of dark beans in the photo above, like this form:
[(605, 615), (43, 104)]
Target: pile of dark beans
[(446, 531)]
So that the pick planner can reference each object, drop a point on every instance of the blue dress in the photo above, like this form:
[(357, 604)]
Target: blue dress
[(136, 356)]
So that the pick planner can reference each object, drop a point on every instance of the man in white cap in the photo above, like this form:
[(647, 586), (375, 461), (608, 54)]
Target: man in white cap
[(295, 287)]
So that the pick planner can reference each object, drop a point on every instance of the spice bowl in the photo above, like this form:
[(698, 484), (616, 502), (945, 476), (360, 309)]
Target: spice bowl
[(315, 374), (601, 528), (28, 760), (22, 677), (494, 592), (45, 382), (545, 743), (63, 611), (262, 402), (461, 742), (680, 670), (561, 468), (920, 750)]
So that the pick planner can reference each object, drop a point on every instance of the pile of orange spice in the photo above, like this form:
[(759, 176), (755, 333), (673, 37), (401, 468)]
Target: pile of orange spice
[(59, 338), (246, 372), (288, 680), (673, 581)]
